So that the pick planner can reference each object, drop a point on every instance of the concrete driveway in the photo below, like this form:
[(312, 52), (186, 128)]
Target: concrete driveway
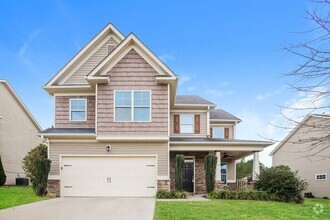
[(83, 208)]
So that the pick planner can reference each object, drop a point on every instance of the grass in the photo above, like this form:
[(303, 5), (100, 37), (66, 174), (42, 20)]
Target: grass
[(13, 196), (239, 209)]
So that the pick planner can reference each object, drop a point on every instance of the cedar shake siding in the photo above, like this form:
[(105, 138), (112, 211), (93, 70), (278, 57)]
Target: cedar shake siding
[(79, 75), (132, 73), (62, 112), (159, 149), (202, 131)]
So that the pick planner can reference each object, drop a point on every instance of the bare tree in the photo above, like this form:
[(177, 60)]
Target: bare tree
[(312, 78)]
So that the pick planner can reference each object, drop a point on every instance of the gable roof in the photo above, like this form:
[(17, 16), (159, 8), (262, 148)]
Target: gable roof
[(20, 103), (131, 42), (85, 52), (293, 131), (220, 114), (192, 100)]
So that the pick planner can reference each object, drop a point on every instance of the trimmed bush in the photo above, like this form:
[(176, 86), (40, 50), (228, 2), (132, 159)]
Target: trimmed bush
[(179, 162), (173, 194), (241, 195), (283, 183), (309, 195), (3, 176), (210, 166), (42, 166), (29, 161)]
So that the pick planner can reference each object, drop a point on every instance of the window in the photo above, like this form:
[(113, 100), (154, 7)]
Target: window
[(78, 109), (218, 132), (132, 106), (186, 123), (321, 176), (224, 173)]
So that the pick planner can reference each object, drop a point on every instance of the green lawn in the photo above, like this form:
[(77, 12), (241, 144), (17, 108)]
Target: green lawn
[(14, 196), (238, 209)]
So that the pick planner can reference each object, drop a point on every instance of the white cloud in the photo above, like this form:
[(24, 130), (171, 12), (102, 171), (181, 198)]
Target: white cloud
[(165, 57), (214, 92), (183, 79), (27, 43), (224, 83), (191, 88), (261, 97)]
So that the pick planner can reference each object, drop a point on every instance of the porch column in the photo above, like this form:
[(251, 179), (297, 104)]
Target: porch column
[(218, 167), (256, 167)]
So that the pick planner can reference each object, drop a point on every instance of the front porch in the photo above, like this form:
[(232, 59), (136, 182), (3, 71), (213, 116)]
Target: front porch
[(228, 151), (194, 169)]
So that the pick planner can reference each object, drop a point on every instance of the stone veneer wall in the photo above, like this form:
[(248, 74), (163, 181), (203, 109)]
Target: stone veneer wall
[(164, 184), (200, 186), (54, 188)]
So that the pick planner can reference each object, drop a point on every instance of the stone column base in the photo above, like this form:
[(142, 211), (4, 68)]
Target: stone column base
[(54, 188), (164, 184)]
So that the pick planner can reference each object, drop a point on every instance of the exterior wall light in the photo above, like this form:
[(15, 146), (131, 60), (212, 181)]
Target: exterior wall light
[(108, 148)]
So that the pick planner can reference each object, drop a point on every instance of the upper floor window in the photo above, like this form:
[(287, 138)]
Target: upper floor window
[(187, 123), (78, 109), (218, 132), (322, 176), (132, 106)]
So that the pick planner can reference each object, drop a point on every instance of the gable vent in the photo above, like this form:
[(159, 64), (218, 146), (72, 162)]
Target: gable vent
[(111, 47)]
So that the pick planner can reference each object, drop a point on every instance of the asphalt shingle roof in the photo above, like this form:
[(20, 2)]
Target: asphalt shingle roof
[(68, 131), (192, 100), (221, 114)]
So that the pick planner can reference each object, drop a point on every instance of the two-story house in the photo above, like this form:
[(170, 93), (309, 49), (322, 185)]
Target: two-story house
[(119, 124)]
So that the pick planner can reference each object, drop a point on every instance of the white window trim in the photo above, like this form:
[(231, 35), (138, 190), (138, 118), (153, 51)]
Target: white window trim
[(218, 127), (226, 172), (319, 174), (193, 124), (132, 105), (70, 111)]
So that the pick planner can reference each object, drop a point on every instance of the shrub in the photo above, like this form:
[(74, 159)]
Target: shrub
[(173, 194), (241, 195), (325, 197), (3, 176), (281, 182), (179, 162), (29, 162), (309, 195), (42, 166), (210, 166)]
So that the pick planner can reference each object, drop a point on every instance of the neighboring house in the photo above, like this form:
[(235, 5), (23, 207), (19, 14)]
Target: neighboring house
[(18, 132), (307, 150), (119, 125)]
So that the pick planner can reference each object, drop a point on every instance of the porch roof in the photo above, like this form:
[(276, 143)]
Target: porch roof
[(206, 140), (216, 144)]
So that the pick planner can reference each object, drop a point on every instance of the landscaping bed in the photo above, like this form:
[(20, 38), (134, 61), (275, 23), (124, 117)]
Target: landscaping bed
[(14, 195)]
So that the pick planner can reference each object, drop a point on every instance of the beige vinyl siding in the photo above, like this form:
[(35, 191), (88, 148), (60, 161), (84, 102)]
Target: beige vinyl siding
[(203, 123), (62, 112), (79, 75), (132, 73), (159, 149), (18, 135), (295, 155)]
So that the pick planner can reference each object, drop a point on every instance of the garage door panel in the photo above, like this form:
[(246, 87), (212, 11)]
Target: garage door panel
[(108, 176)]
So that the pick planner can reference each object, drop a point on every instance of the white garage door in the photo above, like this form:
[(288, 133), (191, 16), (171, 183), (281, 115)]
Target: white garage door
[(108, 176)]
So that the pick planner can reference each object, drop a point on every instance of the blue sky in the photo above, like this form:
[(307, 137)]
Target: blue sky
[(227, 51)]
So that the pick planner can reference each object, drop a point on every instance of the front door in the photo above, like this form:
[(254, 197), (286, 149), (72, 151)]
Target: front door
[(188, 176)]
